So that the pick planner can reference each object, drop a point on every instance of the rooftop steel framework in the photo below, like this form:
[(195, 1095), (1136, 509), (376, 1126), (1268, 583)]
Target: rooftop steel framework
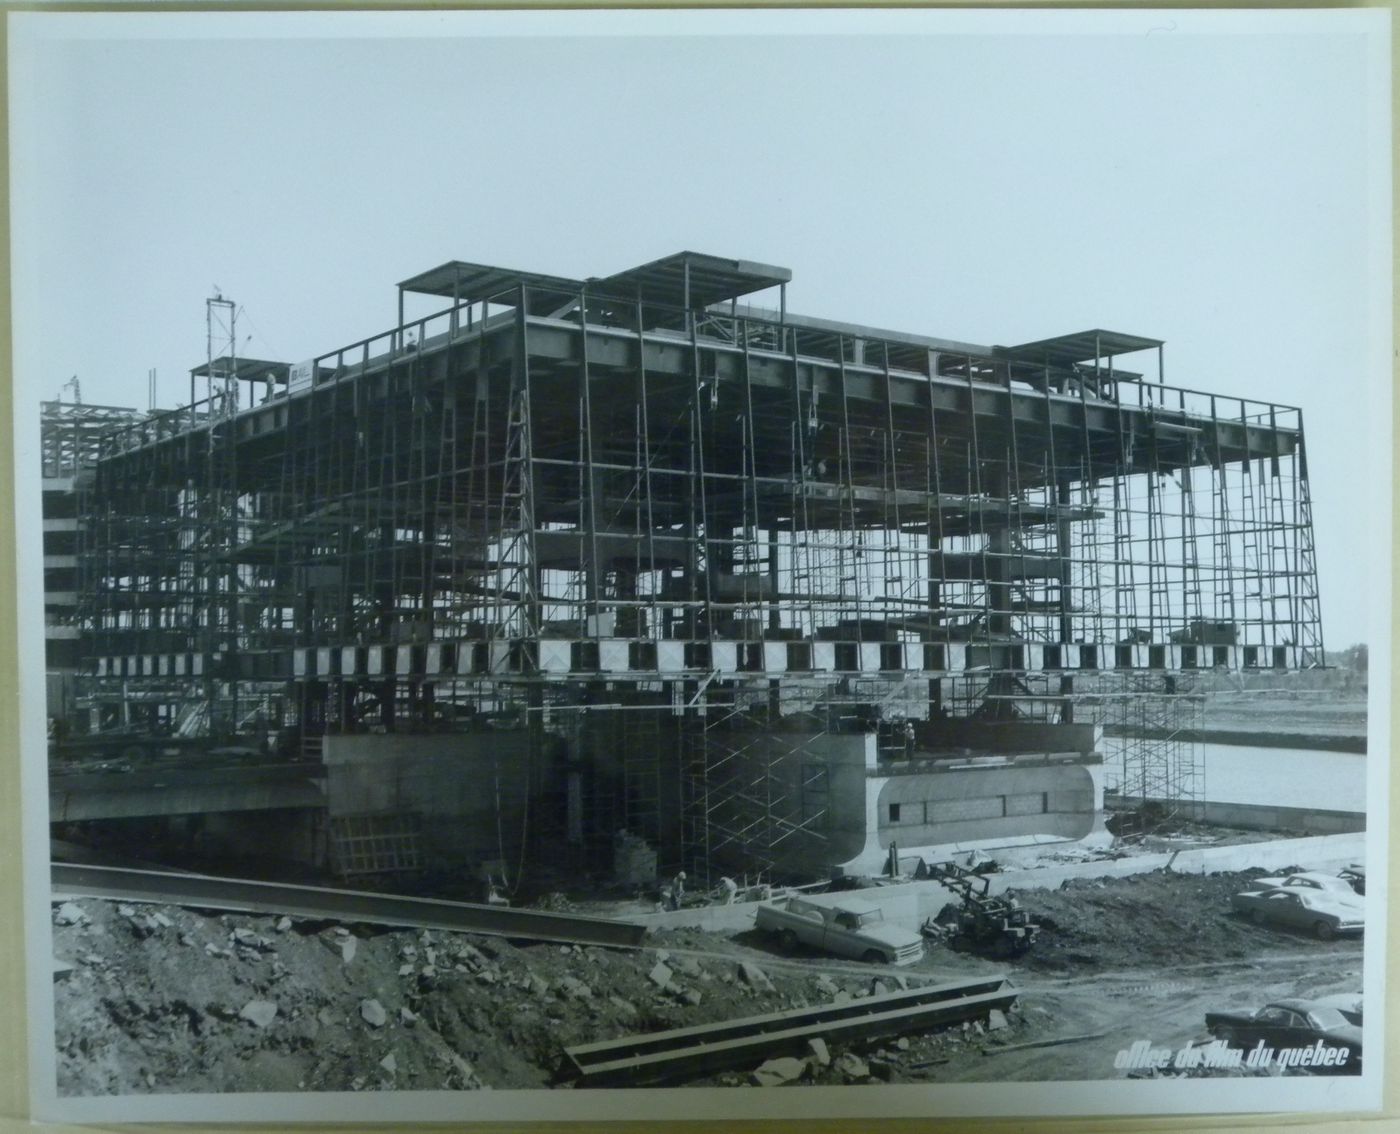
[(557, 497)]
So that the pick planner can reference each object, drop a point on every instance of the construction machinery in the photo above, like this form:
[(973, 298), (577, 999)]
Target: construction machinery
[(982, 923)]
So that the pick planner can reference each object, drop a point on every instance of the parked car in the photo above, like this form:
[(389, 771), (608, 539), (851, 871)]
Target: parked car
[(1293, 1025), (1347, 1003), (848, 930), (1312, 880), (1355, 876), (1319, 912)]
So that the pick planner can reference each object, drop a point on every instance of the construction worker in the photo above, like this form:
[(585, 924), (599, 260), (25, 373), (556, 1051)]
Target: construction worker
[(677, 890), (730, 888)]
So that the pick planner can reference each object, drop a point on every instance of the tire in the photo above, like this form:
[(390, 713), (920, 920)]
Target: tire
[(1324, 930), (787, 941), (873, 957)]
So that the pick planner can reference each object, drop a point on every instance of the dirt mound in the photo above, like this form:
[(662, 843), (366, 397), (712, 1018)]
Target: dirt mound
[(1162, 917)]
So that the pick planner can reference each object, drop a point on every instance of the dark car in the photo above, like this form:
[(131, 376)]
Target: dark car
[(1349, 1004), (1293, 1026)]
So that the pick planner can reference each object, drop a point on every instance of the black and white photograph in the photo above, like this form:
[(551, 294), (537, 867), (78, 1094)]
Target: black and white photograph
[(609, 564)]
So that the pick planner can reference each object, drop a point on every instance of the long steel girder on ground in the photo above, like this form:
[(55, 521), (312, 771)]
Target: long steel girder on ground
[(1116, 438), (316, 903), (657, 1057)]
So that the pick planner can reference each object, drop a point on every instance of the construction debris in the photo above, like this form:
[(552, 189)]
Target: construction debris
[(489, 1012)]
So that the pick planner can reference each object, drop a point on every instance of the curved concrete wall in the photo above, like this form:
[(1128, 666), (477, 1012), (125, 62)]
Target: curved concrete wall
[(1057, 800)]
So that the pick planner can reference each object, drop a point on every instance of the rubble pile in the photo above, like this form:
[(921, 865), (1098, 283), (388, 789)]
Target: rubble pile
[(167, 999), (905, 1059), (170, 999)]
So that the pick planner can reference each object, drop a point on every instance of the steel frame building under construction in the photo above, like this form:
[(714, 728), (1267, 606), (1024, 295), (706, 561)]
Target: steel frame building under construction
[(631, 554)]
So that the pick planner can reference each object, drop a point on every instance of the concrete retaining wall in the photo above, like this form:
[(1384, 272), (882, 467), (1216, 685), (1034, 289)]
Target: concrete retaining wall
[(468, 788), (150, 794), (1262, 817)]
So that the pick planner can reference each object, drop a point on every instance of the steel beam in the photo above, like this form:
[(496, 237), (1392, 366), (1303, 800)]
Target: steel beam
[(314, 902), (688, 1052)]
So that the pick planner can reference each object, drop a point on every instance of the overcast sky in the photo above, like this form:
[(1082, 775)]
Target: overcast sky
[(991, 178)]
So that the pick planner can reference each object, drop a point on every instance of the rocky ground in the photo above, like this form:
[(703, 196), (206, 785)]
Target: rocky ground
[(168, 999)]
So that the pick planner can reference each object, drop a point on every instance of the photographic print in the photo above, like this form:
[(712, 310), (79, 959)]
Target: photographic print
[(811, 563)]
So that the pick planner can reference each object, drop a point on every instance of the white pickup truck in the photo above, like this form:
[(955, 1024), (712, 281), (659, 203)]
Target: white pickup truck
[(848, 930)]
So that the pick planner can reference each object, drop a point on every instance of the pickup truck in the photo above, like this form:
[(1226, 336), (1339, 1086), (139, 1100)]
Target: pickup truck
[(847, 930)]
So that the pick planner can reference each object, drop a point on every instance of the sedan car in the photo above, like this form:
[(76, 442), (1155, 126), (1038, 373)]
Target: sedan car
[(1295, 1026), (1333, 884), (1349, 1004), (1315, 911)]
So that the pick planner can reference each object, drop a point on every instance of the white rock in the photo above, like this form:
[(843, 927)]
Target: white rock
[(755, 977), (819, 1051), (660, 974), (373, 1014), (572, 988), (260, 1012), (348, 945), (69, 914), (996, 1020), (775, 1072), (852, 1066), (389, 1063), (284, 923)]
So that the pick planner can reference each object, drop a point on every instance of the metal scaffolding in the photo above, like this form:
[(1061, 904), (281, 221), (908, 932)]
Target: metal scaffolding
[(560, 503)]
